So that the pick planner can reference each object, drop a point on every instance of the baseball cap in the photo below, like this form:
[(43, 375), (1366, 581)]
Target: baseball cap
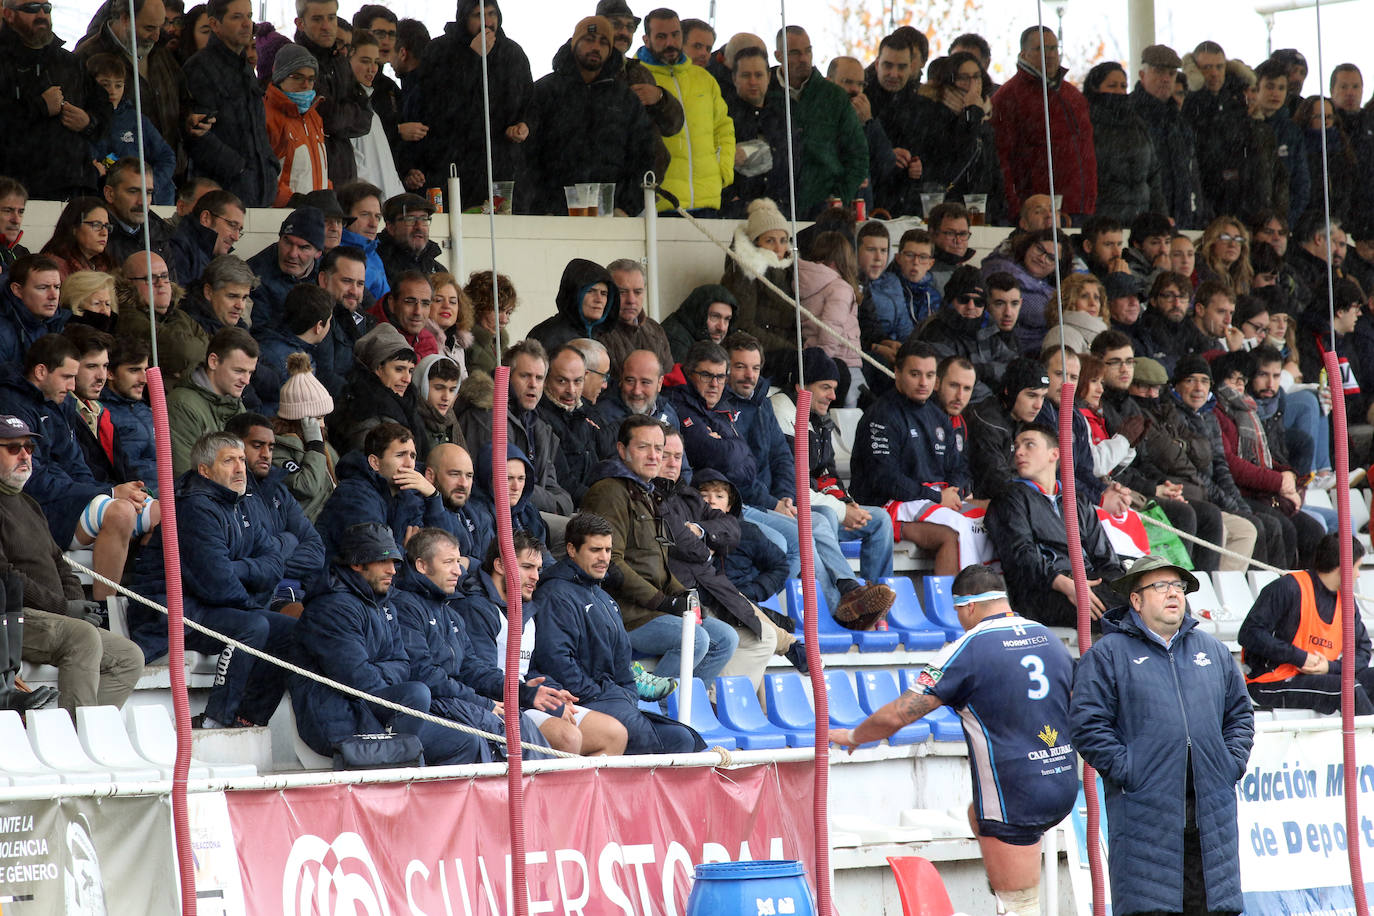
[(12, 427)]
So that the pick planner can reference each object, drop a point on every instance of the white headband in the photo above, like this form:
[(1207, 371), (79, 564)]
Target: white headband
[(961, 600)]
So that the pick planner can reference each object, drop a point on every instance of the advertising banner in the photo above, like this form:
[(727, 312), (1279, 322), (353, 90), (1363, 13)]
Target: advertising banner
[(605, 841), (87, 857), (1291, 823)]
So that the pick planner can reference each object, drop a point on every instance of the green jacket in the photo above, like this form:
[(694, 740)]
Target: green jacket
[(309, 474), (480, 357), (194, 410), (640, 557), (834, 153), (181, 342)]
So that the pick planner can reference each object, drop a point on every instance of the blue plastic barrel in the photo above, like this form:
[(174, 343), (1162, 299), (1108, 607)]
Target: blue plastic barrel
[(767, 888)]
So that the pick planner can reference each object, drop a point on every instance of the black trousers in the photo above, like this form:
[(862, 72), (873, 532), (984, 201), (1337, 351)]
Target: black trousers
[(1318, 692)]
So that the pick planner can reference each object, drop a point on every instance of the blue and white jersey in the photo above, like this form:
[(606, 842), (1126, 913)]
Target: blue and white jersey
[(1009, 680)]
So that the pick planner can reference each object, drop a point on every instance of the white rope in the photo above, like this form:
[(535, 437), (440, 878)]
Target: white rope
[(773, 287), (1151, 520), (319, 678)]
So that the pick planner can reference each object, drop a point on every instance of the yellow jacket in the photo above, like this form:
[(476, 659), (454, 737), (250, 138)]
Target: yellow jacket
[(703, 152)]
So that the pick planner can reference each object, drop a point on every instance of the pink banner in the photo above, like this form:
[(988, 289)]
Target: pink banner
[(601, 841)]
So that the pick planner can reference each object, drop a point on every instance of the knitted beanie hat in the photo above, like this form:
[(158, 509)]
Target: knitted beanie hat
[(764, 216), (302, 395), (290, 58)]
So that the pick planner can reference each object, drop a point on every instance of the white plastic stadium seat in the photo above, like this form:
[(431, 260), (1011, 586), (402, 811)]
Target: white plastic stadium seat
[(101, 732), (1259, 578), (155, 738), (54, 740), (1233, 591), (18, 765), (308, 758)]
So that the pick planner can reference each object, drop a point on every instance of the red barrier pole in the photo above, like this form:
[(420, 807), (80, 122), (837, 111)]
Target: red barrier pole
[(1349, 773), (801, 452), (515, 627), (1069, 502), (176, 639)]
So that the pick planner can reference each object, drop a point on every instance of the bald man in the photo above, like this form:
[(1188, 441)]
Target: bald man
[(449, 468)]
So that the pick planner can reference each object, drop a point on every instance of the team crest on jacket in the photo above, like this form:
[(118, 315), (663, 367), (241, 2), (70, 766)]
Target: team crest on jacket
[(939, 434), (1201, 660)]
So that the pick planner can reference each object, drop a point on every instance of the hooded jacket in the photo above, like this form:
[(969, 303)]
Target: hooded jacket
[(1129, 179), (1198, 434), (759, 310), (893, 308), (569, 323), (571, 121), (950, 334), (449, 80), (181, 342), (436, 641), (237, 151), (367, 403), (269, 299), (578, 435), (279, 512), (524, 515), (121, 139), (991, 435), (343, 107), (298, 141), (713, 438), (363, 495), (581, 641), (444, 428), (377, 284), (194, 409), (275, 345), (484, 611), (189, 250), (53, 162), (19, 327), (1144, 716), (349, 634), (641, 558), (687, 325), (526, 431), (697, 562), (904, 450), (133, 423), (1018, 121), (398, 258), (62, 482), (703, 152)]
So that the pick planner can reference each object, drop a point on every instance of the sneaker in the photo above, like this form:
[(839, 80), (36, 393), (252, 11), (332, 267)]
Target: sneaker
[(650, 686), (1325, 480), (864, 606)]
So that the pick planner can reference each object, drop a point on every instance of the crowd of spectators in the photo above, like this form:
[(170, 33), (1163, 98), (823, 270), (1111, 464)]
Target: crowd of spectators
[(330, 396)]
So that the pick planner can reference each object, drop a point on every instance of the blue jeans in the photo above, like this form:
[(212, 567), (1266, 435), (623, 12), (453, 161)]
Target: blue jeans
[(831, 565), (1302, 411), (712, 645), (1328, 517), (875, 554)]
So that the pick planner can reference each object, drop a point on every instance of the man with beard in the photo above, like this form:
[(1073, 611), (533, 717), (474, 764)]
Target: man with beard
[(663, 108), (343, 274), (404, 245), (131, 416), (449, 468), (638, 392), (1165, 321), (958, 330), (583, 89), (129, 194), (632, 328), (708, 313), (290, 260), (563, 409), (51, 108)]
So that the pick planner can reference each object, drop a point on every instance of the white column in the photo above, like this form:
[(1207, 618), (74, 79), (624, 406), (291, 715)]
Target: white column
[(1140, 24)]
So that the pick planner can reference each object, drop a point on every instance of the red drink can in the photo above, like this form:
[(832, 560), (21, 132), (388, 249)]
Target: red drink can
[(436, 199), (860, 210)]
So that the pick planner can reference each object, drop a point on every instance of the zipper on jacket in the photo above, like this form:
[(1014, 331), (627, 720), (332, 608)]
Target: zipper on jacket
[(1178, 691), (691, 169)]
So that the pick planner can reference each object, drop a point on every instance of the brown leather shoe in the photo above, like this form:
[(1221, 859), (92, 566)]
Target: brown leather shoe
[(864, 606)]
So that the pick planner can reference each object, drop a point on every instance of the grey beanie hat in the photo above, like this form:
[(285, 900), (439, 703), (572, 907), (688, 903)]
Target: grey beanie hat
[(290, 58)]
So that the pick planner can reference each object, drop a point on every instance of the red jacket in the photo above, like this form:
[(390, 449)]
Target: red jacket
[(1018, 120)]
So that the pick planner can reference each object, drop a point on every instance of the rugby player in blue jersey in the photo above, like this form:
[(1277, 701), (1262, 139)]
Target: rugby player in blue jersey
[(1008, 678)]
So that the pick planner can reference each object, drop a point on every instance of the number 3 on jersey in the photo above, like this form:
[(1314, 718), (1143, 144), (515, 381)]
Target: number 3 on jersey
[(1040, 685)]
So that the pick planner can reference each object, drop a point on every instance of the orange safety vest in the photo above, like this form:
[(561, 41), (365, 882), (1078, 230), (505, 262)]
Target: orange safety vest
[(1314, 634)]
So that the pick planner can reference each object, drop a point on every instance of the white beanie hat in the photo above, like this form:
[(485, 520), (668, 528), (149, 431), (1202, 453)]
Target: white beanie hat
[(764, 216), (302, 395)]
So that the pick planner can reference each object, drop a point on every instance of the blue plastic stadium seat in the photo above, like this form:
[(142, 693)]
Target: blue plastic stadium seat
[(789, 708), (939, 605), (737, 707), (831, 633), (704, 718), (944, 722), (650, 706), (877, 688), (845, 711), (851, 549), (907, 619)]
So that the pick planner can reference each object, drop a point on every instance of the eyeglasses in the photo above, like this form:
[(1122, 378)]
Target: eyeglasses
[(415, 218), (1169, 297), (1162, 588), (15, 448), (33, 8), (716, 377), (914, 256), (1118, 363), (1228, 237), (962, 236), (301, 78), (413, 301), (157, 279), (97, 226), (1040, 251), (383, 33), (237, 227)]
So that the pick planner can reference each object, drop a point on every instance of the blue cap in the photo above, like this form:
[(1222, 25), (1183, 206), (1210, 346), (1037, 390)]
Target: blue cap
[(368, 543), (305, 223)]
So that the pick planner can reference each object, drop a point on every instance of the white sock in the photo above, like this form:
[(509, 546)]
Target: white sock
[(1023, 902)]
